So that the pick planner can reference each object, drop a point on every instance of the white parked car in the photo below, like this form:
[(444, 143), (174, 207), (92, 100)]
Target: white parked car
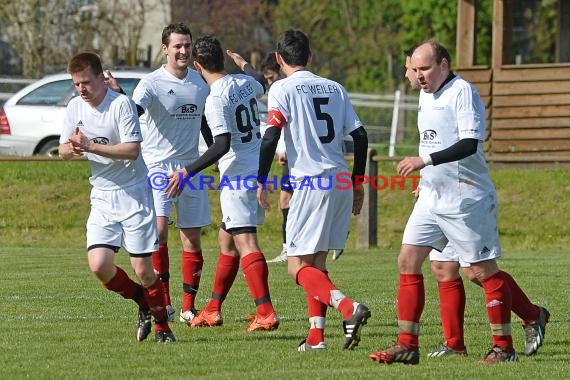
[(32, 119)]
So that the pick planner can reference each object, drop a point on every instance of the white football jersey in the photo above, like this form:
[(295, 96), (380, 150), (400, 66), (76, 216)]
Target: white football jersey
[(231, 108), (316, 113), (453, 113), (173, 114), (112, 122)]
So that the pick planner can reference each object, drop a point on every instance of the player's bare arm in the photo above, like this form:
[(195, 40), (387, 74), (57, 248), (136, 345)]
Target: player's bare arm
[(238, 59), (112, 82)]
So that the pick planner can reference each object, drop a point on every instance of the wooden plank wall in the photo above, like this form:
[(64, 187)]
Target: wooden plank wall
[(531, 111), (528, 111)]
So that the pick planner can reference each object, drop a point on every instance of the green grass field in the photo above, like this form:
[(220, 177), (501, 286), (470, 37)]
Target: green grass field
[(58, 322)]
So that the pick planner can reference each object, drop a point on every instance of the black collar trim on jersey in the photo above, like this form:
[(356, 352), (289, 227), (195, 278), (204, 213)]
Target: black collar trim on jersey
[(447, 80)]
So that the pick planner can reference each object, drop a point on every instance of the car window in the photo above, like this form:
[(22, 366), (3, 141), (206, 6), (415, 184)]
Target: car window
[(128, 85), (50, 94)]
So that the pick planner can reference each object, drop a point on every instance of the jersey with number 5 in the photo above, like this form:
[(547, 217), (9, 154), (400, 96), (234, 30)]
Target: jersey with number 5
[(231, 108), (315, 114)]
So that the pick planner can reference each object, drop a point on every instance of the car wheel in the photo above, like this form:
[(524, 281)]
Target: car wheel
[(50, 148)]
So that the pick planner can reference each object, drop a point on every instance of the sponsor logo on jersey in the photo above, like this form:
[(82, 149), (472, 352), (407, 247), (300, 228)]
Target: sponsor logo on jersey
[(187, 108), (429, 135), (429, 138), (171, 92), (100, 140), (79, 124)]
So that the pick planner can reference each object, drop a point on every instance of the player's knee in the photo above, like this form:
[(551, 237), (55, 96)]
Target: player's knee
[(444, 271)]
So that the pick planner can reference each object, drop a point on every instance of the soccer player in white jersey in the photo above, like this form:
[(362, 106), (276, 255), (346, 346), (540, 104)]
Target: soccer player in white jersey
[(231, 111), (445, 266), (315, 114), (457, 203), (103, 126), (173, 99)]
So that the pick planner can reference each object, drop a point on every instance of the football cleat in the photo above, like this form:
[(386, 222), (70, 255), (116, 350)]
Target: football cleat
[(144, 325), (337, 253), (304, 346), (445, 350), (497, 355), (170, 313), (207, 319), (164, 337), (396, 354), (268, 323), (280, 258), (188, 315), (353, 325), (534, 332)]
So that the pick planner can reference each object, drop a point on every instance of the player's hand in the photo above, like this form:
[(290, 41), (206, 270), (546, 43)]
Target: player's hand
[(238, 59), (176, 183), (262, 196), (112, 82), (66, 151), (416, 192), (358, 199), (409, 164), (282, 159), (80, 143)]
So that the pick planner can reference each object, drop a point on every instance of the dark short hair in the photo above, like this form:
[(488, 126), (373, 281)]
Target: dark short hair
[(409, 52), (294, 47), (84, 60), (270, 63), (440, 51), (178, 28), (207, 51)]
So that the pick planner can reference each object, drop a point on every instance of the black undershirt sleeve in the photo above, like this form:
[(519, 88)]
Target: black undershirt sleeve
[(220, 147), (267, 152), (140, 110), (249, 70), (206, 132), (461, 149), (360, 138)]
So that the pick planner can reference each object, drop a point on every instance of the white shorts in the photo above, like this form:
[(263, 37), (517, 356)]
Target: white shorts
[(447, 254), (473, 233), (124, 218), (239, 205), (192, 206), (318, 218)]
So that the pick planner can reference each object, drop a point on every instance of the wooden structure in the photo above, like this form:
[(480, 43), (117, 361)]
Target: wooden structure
[(528, 105)]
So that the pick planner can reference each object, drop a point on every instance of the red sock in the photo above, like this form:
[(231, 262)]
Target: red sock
[(317, 284), (521, 305), (254, 268), (498, 301), (155, 298), (192, 263), (411, 299), (226, 271), (161, 263), (317, 318), (452, 312), (127, 288)]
